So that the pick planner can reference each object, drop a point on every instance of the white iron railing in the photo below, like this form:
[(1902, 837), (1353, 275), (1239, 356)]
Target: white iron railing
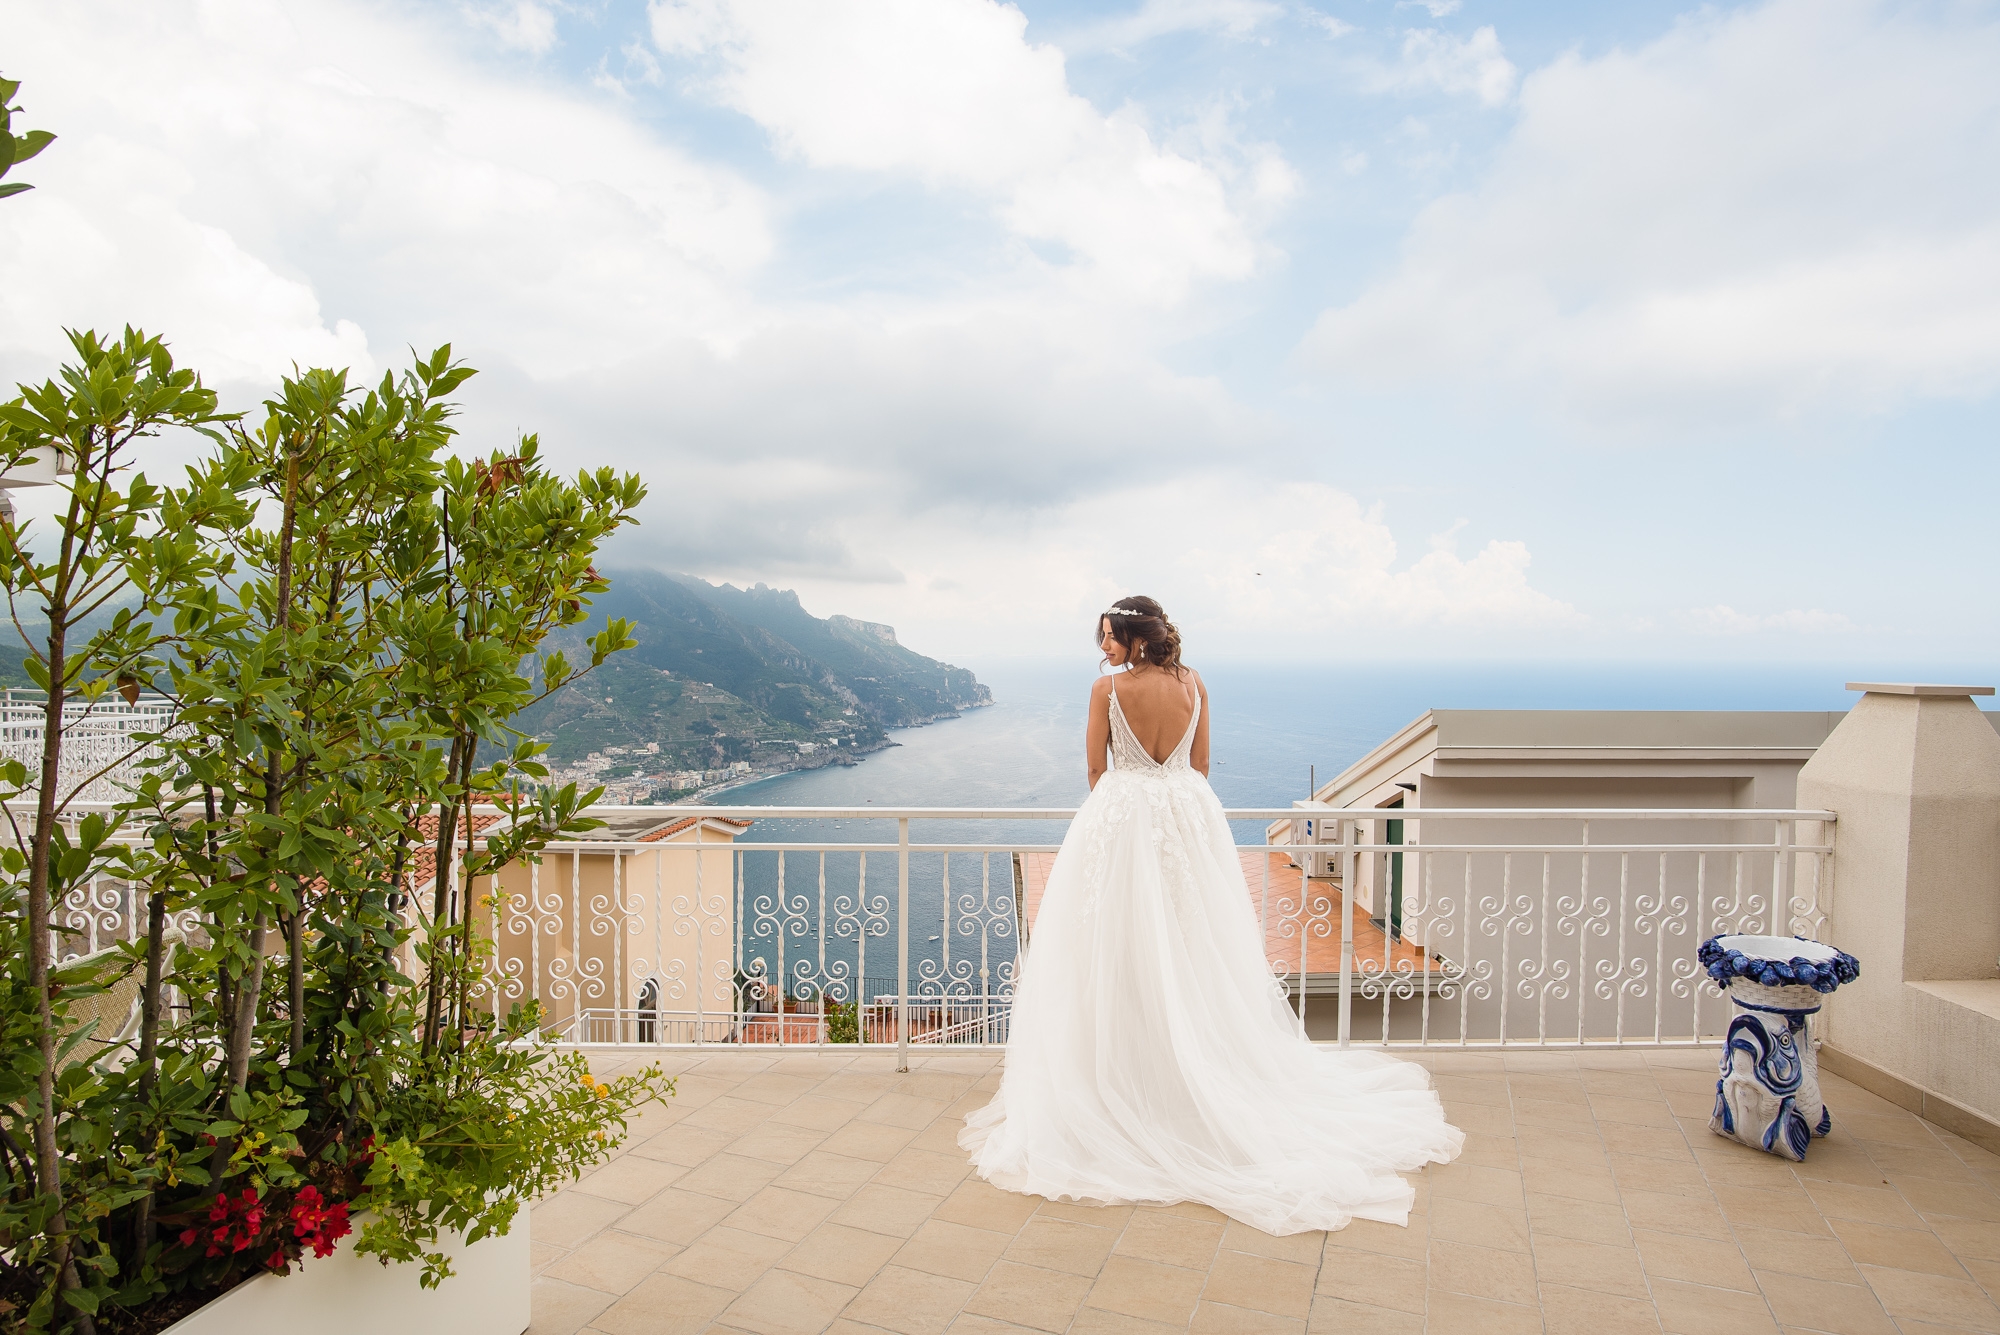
[(1456, 927), (101, 748)]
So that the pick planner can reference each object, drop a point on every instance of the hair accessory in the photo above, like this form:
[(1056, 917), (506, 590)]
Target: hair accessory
[(1124, 612)]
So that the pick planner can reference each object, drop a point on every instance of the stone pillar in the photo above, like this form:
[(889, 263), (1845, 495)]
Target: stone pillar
[(1913, 773)]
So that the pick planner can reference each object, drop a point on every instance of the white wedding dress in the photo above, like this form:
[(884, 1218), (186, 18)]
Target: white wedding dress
[(1153, 1057)]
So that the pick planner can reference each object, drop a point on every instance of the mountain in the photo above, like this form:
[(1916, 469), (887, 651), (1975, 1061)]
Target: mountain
[(724, 677)]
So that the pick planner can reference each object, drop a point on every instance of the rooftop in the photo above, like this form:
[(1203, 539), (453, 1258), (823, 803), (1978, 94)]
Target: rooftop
[(823, 1191)]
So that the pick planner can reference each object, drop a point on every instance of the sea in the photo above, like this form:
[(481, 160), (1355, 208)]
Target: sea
[(1274, 730)]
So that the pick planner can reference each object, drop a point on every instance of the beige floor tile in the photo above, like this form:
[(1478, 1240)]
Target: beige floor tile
[(560, 1308), (1590, 1265), (817, 1112), (1548, 1142), (1696, 1309), (1361, 1277), (1097, 1321), (778, 1213), (902, 1110), (1460, 1089), (779, 1143), (1460, 1312), (784, 1302), (1793, 1211), (857, 1086), (1084, 1212), (1304, 1248), (1650, 1111), (869, 1140), (1029, 1296), (1986, 1274), (1698, 1104), (730, 1177), (1482, 1272), (1583, 1181), (612, 1262), (1567, 1311), (1897, 1128), (1542, 1112), (1477, 1119), (941, 1137), (826, 1174), (1670, 1213), (910, 1301), (980, 1204), (1923, 1297), (1696, 1260), (924, 1170), (630, 1179), (729, 1114), (1481, 1225), (1897, 1248), (1468, 1182), (1880, 1204), (568, 1217), (1147, 1289), (683, 1144), (776, 1087), (1841, 1309), (1155, 1235), (1631, 1083), (1964, 1200), (1263, 1283), (1490, 1150), (541, 1255), (664, 1305), (954, 1250), (1967, 1237), (726, 1258), (888, 1210), (1549, 1089), (1058, 1244), (1591, 1221), (1741, 1166), (1412, 1239), (1222, 1319), (1790, 1253), (1337, 1316), (1932, 1161), (1647, 1142), (842, 1254), (672, 1216), (1639, 1173)]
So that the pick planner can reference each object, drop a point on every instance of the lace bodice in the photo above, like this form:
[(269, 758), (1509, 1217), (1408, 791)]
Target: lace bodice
[(1128, 755)]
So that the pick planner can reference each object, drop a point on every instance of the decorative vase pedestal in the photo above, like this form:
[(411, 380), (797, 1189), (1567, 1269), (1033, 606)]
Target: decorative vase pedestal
[(1768, 1096)]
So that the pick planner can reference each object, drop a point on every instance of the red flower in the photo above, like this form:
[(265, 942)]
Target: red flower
[(316, 1224)]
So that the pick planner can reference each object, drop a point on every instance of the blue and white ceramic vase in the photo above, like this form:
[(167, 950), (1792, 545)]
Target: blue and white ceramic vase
[(1768, 1096)]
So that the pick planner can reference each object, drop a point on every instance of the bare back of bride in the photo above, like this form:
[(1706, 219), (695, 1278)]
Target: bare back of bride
[(1153, 1057)]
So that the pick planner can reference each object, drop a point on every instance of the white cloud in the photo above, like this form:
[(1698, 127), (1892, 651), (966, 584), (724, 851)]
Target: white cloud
[(1449, 63), (950, 93), (520, 24), (266, 190), (1762, 214), (1246, 569), (1436, 8), (1327, 23), (1725, 620), (1161, 18)]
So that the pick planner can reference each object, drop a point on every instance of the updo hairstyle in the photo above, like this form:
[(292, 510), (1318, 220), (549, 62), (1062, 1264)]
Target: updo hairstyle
[(1140, 624)]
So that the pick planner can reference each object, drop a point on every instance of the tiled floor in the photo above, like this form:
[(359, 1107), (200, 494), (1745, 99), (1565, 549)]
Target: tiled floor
[(783, 1193)]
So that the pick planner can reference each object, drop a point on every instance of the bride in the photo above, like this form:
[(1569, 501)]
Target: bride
[(1153, 1057)]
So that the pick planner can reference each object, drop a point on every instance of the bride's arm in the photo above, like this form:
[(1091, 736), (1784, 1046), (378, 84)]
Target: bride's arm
[(1198, 753), (1097, 733)]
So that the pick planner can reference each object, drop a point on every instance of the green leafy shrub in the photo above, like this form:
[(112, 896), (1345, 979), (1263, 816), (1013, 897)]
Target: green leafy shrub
[(345, 615)]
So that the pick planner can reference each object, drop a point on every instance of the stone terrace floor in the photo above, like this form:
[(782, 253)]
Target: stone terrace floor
[(792, 1193)]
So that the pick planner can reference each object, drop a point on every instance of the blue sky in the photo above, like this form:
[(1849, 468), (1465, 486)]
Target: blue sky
[(1362, 329)]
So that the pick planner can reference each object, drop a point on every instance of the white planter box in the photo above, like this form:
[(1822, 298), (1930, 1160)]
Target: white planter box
[(346, 1294)]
